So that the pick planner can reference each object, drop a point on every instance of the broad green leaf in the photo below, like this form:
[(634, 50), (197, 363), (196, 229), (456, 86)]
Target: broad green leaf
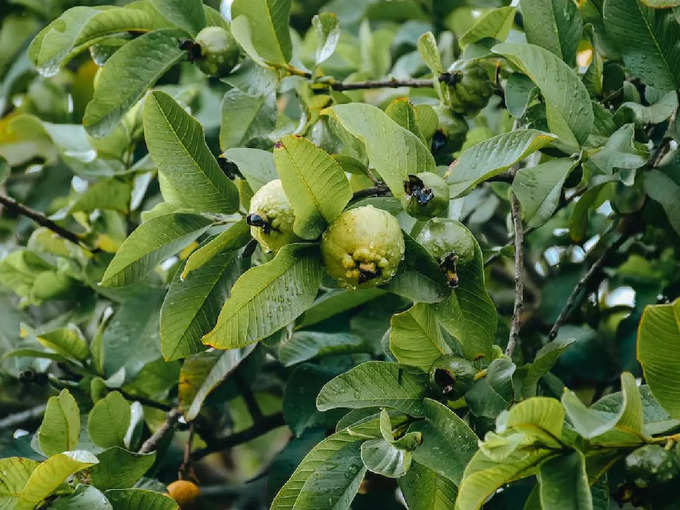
[(80, 27), (337, 301), (109, 420), (245, 117), (327, 30), (85, 496), (256, 165), (493, 393), (263, 26), (539, 189), (556, 25), (424, 489), (376, 384), (416, 338), (268, 297), (568, 108), (658, 351), (393, 151), (119, 468), (492, 157), (468, 313), (527, 376), (563, 483), (429, 53), (621, 151), (68, 341), (403, 113), (385, 459), (138, 499), (537, 412), (588, 423), (233, 238), (305, 345), (15, 473), (647, 39), (151, 243), (495, 24), (204, 372), (652, 114), (314, 182), (60, 428), (448, 442), (177, 145), (663, 189), (127, 75), (49, 475), (106, 194), (192, 304), (188, 15)]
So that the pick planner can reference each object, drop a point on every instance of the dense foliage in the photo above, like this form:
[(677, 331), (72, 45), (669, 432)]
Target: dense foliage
[(309, 254)]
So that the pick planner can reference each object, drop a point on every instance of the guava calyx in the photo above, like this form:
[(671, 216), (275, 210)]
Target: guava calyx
[(447, 265), (427, 195), (271, 217), (415, 187), (452, 376)]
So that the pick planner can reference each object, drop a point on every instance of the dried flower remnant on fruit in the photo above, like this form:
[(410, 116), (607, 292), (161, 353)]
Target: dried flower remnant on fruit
[(448, 267), (451, 376), (271, 217), (427, 195)]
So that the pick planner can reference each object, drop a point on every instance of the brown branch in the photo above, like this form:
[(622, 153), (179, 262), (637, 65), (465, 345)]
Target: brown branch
[(248, 397), (586, 281), (16, 419), (170, 421), (41, 219), (516, 324), (267, 424)]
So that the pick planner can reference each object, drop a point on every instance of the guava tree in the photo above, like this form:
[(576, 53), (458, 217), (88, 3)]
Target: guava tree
[(309, 254)]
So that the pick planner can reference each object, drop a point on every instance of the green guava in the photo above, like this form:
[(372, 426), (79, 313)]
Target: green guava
[(451, 132), (470, 89), (271, 217), (219, 52), (450, 243), (363, 247), (427, 195), (451, 376)]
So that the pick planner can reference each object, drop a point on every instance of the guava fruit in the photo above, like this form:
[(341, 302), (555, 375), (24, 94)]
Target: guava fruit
[(271, 217), (219, 52), (427, 195)]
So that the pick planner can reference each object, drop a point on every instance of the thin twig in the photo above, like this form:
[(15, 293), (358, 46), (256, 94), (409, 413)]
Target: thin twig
[(267, 424), (575, 297), (248, 397), (170, 421), (145, 401), (16, 419), (185, 468), (41, 219), (375, 191), (516, 324)]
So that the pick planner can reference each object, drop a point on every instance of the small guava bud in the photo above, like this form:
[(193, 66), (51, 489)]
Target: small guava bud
[(271, 217), (363, 247), (184, 492), (217, 52), (427, 195), (451, 376)]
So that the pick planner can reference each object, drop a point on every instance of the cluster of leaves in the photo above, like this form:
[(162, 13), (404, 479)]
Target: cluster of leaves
[(524, 355)]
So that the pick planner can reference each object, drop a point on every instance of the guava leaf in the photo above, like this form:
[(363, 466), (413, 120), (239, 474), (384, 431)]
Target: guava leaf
[(60, 428)]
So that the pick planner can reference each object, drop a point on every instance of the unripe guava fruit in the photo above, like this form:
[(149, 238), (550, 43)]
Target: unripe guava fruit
[(271, 217), (219, 51), (651, 465), (470, 89), (363, 247), (183, 492), (451, 132), (449, 242), (427, 195), (451, 376)]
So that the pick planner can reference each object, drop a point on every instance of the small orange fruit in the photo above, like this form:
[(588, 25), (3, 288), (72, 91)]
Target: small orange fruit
[(184, 492)]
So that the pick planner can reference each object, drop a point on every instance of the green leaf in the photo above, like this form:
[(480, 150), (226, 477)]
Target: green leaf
[(448, 442), (268, 297), (556, 25), (49, 475), (60, 428), (539, 189), (151, 243), (563, 483), (527, 376), (263, 26), (256, 165), (15, 473), (493, 393), (663, 189), (493, 156), (186, 14), (403, 113), (424, 489), (246, 117), (385, 459), (85, 496), (376, 384), (80, 27), (106, 194), (109, 420), (192, 304), (416, 338), (495, 24), (119, 468), (127, 75), (315, 183), (393, 151), (429, 53), (5, 170), (177, 145), (204, 372), (568, 108), (658, 348), (653, 114), (661, 4), (337, 301), (231, 239), (647, 41), (534, 413), (327, 30), (68, 341), (137, 499), (621, 151), (305, 345)]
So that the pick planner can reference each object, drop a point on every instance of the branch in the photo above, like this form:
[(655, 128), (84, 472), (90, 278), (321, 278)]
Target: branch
[(248, 397), (267, 424), (41, 219), (14, 420), (516, 213), (167, 427), (575, 297), (375, 191)]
